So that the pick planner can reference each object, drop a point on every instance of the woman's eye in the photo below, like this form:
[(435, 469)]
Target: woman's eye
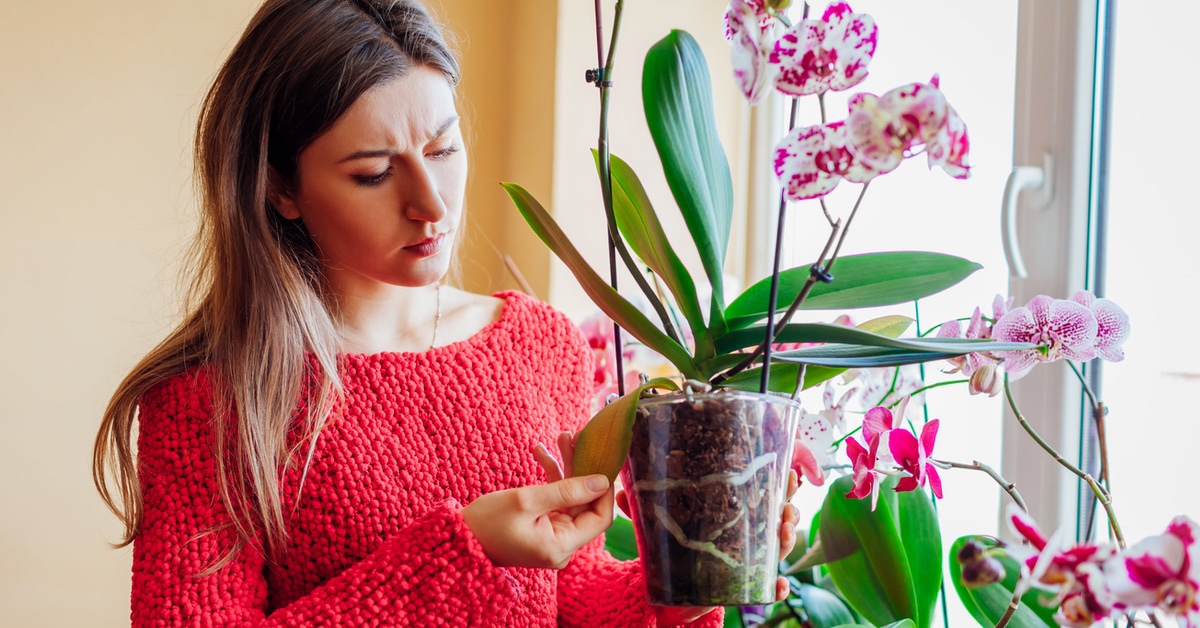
[(444, 153), (372, 180)]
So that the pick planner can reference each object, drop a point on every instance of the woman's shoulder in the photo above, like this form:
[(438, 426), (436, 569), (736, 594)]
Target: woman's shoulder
[(540, 320)]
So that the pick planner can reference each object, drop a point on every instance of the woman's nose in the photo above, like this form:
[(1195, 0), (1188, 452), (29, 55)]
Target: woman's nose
[(422, 198)]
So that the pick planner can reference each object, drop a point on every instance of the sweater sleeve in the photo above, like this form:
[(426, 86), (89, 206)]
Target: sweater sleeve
[(596, 589), (432, 571)]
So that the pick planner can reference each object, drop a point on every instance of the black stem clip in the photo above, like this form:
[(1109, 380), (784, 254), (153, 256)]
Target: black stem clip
[(821, 274), (596, 77)]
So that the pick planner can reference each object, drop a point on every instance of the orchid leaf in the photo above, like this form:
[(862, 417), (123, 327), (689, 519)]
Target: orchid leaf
[(641, 228), (824, 609), (783, 375), (922, 539), (893, 352), (868, 280), (609, 301), (603, 444), (620, 540), (988, 603), (869, 564), (677, 95)]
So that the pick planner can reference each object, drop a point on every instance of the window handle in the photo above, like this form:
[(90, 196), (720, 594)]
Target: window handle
[(1034, 178)]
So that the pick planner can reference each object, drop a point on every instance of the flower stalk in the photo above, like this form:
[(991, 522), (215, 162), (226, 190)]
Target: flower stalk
[(975, 465)]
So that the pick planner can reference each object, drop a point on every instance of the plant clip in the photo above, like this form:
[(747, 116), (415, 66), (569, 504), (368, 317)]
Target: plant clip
[(820, 273), (596, 76)]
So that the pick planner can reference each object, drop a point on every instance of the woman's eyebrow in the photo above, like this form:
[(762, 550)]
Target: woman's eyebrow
[(388, 152)]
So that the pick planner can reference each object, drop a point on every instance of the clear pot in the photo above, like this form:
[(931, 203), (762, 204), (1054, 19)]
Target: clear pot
[(707, 478)]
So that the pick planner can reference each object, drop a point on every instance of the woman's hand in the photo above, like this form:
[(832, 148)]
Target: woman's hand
[(529, 526), (675, 615)]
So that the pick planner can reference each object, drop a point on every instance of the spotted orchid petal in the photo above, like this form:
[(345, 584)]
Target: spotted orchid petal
[(829, 54), (816, 434), (752, 38), (1112, 325), (1064, 329), (835, 413), (949, 148), (883, 130), (811, 161)]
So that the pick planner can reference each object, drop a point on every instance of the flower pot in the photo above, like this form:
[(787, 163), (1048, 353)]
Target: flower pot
[(707, 477)]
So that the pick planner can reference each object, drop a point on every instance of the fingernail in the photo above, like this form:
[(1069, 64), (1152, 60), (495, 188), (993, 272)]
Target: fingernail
[(597, 483)]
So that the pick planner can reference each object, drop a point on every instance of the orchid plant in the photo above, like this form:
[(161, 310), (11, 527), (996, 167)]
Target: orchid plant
[(876, 540)]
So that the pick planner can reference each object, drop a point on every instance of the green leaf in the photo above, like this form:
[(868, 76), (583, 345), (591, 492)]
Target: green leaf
[(640, 226), (869, 564), (619, 539), (868, 280), (872, 352), (922, 538), (733, 617), (603, 444), (607, 299), (677, 94), (824, 609), (783, 375), (987, 604)]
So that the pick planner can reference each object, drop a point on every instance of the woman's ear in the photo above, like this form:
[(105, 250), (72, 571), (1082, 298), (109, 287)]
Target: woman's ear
[(280, 195)]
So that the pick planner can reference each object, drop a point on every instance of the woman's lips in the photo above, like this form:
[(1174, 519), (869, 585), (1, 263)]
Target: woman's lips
[(427, 248)]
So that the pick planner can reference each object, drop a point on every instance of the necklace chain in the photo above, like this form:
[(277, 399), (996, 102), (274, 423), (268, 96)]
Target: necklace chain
[(438, 317)]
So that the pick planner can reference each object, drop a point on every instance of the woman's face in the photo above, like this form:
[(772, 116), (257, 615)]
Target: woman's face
[(381, 192)]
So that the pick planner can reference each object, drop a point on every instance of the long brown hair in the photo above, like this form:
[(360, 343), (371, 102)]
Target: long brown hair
[(256, 303)]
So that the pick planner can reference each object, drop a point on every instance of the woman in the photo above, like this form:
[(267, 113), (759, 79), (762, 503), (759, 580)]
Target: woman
[(307, 437)]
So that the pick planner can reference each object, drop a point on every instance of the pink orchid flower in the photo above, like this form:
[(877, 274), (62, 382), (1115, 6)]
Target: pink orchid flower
[(810, 161), (805, 464), (816, 432), (1112, 325), (1064, 329), (884, 130), (751, 31), (950, 147), (598, 331), (832, 53), (1162, 571), (1073, 572), (867, 476), (967, 364), (912, 455)]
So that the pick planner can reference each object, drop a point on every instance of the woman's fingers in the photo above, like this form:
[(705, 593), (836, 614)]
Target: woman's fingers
[(566, 449), (793, 484), (787, 530), (782, 589), (554, 472)]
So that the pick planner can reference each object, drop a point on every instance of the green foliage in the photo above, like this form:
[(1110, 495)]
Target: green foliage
[(677, 96), (620, 541), (878, 559), (988, 603), (868, 280), (603, 444)]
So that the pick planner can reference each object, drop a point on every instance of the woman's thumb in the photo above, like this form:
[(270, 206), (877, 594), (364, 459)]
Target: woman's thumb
[(573, 491)]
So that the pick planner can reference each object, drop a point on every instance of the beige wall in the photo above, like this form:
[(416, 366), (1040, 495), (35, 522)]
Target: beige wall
[(97, 103)]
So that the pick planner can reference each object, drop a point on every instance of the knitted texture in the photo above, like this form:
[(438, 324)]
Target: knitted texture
[(378, 537)]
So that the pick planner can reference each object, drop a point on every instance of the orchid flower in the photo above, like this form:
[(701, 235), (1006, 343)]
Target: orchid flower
[(913, 456), (886, 387), (806, 465), (948, 149), (1162, 571), (817, 431), (751, 31), (884, 130), (1064, 329), (835, 412), (598, 331), (810, 161), (832, 53), (969, 363), (867, 476), (1072, 572), (1112, 325)]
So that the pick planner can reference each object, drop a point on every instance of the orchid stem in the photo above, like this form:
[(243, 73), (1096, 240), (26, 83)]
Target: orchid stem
[(929, 387), (1099, 413), (976, 465), (1099, 491), (773, 298), (1010, 611)]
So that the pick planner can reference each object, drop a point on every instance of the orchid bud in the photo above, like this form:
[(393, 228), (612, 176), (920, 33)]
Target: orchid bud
[(778, 5), (986, 379), (979, 569)]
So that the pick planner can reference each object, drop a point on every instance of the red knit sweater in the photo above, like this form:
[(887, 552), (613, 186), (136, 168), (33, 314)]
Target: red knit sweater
[(378, 538)]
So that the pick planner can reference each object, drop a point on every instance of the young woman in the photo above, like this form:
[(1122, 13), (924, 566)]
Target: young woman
[(333, 437)]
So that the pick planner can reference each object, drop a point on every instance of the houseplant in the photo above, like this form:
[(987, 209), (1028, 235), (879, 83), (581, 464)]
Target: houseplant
[(724, 439)]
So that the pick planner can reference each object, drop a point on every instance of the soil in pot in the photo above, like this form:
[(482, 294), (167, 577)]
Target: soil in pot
[(708, 479)]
